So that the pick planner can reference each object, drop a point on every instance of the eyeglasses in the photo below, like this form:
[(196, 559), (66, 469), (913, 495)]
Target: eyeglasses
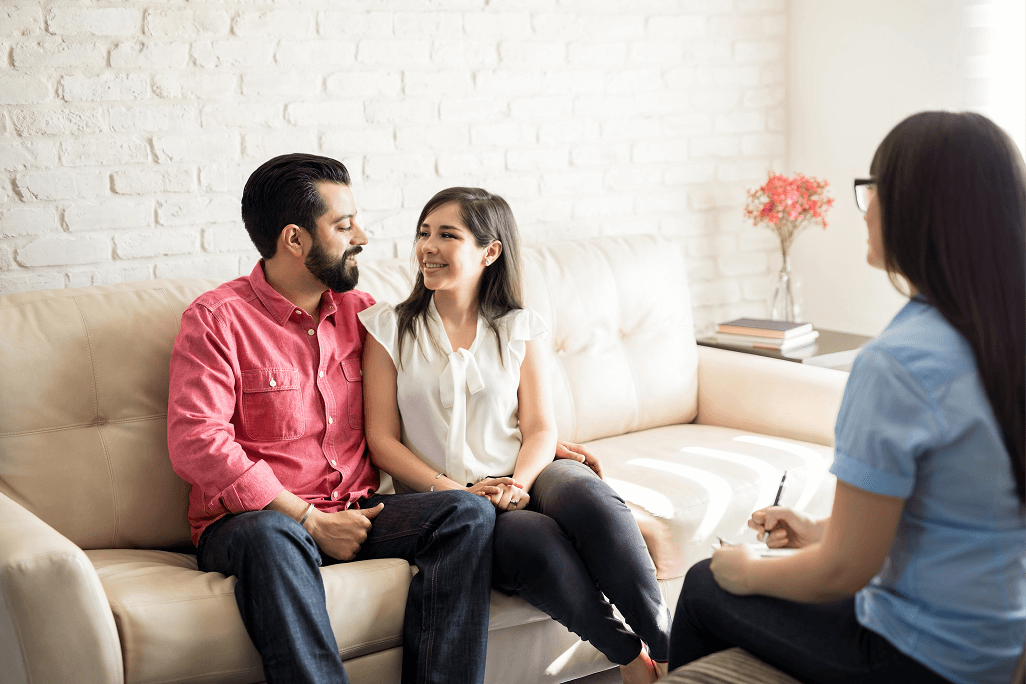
[(862, 188)]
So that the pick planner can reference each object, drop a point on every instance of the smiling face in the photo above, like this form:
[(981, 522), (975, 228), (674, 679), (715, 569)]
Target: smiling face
[(337, 239), (447, 253)]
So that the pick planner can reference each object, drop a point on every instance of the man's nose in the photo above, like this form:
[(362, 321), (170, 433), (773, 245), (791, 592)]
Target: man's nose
[(359, 236)]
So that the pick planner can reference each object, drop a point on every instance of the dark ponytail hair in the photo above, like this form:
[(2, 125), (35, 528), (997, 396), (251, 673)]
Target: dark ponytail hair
[(952, 194), (489, 218)]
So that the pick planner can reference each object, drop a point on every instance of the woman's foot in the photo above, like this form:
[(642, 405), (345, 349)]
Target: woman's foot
[(641, 670)]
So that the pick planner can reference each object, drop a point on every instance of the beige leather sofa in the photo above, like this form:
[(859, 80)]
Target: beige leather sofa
[(693, 438)]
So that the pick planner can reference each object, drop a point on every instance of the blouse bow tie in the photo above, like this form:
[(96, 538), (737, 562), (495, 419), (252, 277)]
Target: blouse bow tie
[(460, 375)]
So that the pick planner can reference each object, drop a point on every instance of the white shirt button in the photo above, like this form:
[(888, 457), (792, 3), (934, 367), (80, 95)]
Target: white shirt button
[(330, 420), (310, 331), (334, 495), (320, 374), (333, 463), (273, 383), (299, 311)]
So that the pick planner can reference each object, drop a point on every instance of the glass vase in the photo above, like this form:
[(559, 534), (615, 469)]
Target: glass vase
[(786, 304)]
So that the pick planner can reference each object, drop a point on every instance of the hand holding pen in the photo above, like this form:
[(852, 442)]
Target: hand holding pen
[(782, 527)]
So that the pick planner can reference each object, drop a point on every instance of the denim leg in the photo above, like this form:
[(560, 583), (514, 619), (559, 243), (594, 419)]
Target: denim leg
[(816, 643), (279, 592), (577, 541), (448, 536)]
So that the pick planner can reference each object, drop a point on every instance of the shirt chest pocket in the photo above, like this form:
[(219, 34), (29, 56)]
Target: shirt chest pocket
[(353, 373), (272, 404)]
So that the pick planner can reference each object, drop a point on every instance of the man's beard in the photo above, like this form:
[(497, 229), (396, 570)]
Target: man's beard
[(333, 272)]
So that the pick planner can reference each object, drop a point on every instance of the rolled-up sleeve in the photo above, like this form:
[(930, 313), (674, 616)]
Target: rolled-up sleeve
[(201, 436), (887, 420)]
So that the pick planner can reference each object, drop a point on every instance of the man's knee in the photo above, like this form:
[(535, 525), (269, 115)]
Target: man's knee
[(272, 535), (473, 515)]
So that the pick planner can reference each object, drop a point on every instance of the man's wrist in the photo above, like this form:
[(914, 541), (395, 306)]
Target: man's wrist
[(309, 510)]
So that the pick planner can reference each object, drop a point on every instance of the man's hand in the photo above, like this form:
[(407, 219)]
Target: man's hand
[(579, 453), (341, 534)]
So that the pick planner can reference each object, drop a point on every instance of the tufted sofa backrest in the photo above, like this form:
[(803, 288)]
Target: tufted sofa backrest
[(84, 378)]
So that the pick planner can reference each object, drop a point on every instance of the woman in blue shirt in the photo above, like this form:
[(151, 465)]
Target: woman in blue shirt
[(919, 574)]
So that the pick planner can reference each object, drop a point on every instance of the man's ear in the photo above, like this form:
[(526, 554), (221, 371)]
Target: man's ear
[(292, 240)]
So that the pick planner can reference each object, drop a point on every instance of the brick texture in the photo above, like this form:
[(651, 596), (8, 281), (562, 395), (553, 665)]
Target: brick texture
[(127, 129)]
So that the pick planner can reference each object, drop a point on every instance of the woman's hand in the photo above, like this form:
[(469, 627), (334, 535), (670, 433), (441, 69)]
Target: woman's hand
[(579, 453), (502, 492), (513, 498), (783, 527), (730, 566)]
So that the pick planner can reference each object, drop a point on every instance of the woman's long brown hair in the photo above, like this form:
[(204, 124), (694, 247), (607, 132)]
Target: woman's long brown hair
[(952, 193)]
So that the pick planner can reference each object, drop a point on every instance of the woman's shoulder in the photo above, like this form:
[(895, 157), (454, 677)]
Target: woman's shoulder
[(516, 323), (380, 320), (923, 343)]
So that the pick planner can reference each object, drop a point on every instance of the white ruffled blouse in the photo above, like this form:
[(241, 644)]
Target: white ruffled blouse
[(459, 408)]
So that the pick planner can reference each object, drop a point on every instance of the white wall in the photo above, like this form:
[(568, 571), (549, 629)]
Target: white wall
[(857, 69), (127, 128)]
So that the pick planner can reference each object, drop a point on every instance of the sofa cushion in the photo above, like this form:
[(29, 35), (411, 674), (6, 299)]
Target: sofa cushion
[(179, 624), (83, 404), (688, 484)]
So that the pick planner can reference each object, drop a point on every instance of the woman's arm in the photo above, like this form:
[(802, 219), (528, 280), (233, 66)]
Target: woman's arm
[(536, 415), (381, 424), (854, 545)]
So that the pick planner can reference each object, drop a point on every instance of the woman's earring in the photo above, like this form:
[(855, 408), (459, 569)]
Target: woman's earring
[(488, 262)]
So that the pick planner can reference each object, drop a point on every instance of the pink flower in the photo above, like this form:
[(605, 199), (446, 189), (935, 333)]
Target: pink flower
[(788, 205)]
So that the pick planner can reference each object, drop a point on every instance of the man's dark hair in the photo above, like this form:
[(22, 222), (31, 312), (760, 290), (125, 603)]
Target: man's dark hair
[(284, 191)]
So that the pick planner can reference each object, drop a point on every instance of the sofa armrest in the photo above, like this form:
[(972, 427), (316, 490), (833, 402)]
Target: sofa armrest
[(768, 396), (55, 623)]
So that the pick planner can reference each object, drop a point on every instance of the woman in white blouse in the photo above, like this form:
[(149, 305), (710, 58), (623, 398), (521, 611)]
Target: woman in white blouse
[(456, 396)]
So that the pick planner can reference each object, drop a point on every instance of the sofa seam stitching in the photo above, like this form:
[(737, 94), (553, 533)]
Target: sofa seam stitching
[(562, 369), (71, 426), (96, 419), (636, 420)]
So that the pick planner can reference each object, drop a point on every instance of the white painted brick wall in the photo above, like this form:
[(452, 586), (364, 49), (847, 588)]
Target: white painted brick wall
[(127, 129)]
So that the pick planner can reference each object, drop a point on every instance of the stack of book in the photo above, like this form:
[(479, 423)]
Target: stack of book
[(763, 334)]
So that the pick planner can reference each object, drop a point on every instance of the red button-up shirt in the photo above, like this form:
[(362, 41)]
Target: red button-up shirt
[(264, 398)]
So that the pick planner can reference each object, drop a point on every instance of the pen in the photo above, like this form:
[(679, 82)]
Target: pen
[(780, 489)]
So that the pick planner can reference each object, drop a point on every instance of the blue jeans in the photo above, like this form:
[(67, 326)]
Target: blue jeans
[(448, 535), (576, 551), (816, 643)]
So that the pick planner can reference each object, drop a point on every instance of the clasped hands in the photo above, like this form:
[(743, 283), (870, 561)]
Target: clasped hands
[(779, 527), (505, 493)]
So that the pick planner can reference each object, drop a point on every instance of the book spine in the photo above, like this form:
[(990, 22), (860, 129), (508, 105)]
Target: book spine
[(758, 332)]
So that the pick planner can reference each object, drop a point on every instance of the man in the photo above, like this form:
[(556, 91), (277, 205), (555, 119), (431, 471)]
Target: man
[(265, 421)]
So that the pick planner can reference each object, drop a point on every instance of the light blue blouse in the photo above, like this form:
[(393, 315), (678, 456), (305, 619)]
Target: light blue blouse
[(915, 423)]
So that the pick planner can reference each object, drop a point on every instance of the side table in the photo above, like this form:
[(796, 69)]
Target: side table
[(832, 349)]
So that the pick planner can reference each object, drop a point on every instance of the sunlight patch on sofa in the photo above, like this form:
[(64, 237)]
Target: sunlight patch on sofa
[(815, 464), (768, 475), (652, 501), (717, 487)]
